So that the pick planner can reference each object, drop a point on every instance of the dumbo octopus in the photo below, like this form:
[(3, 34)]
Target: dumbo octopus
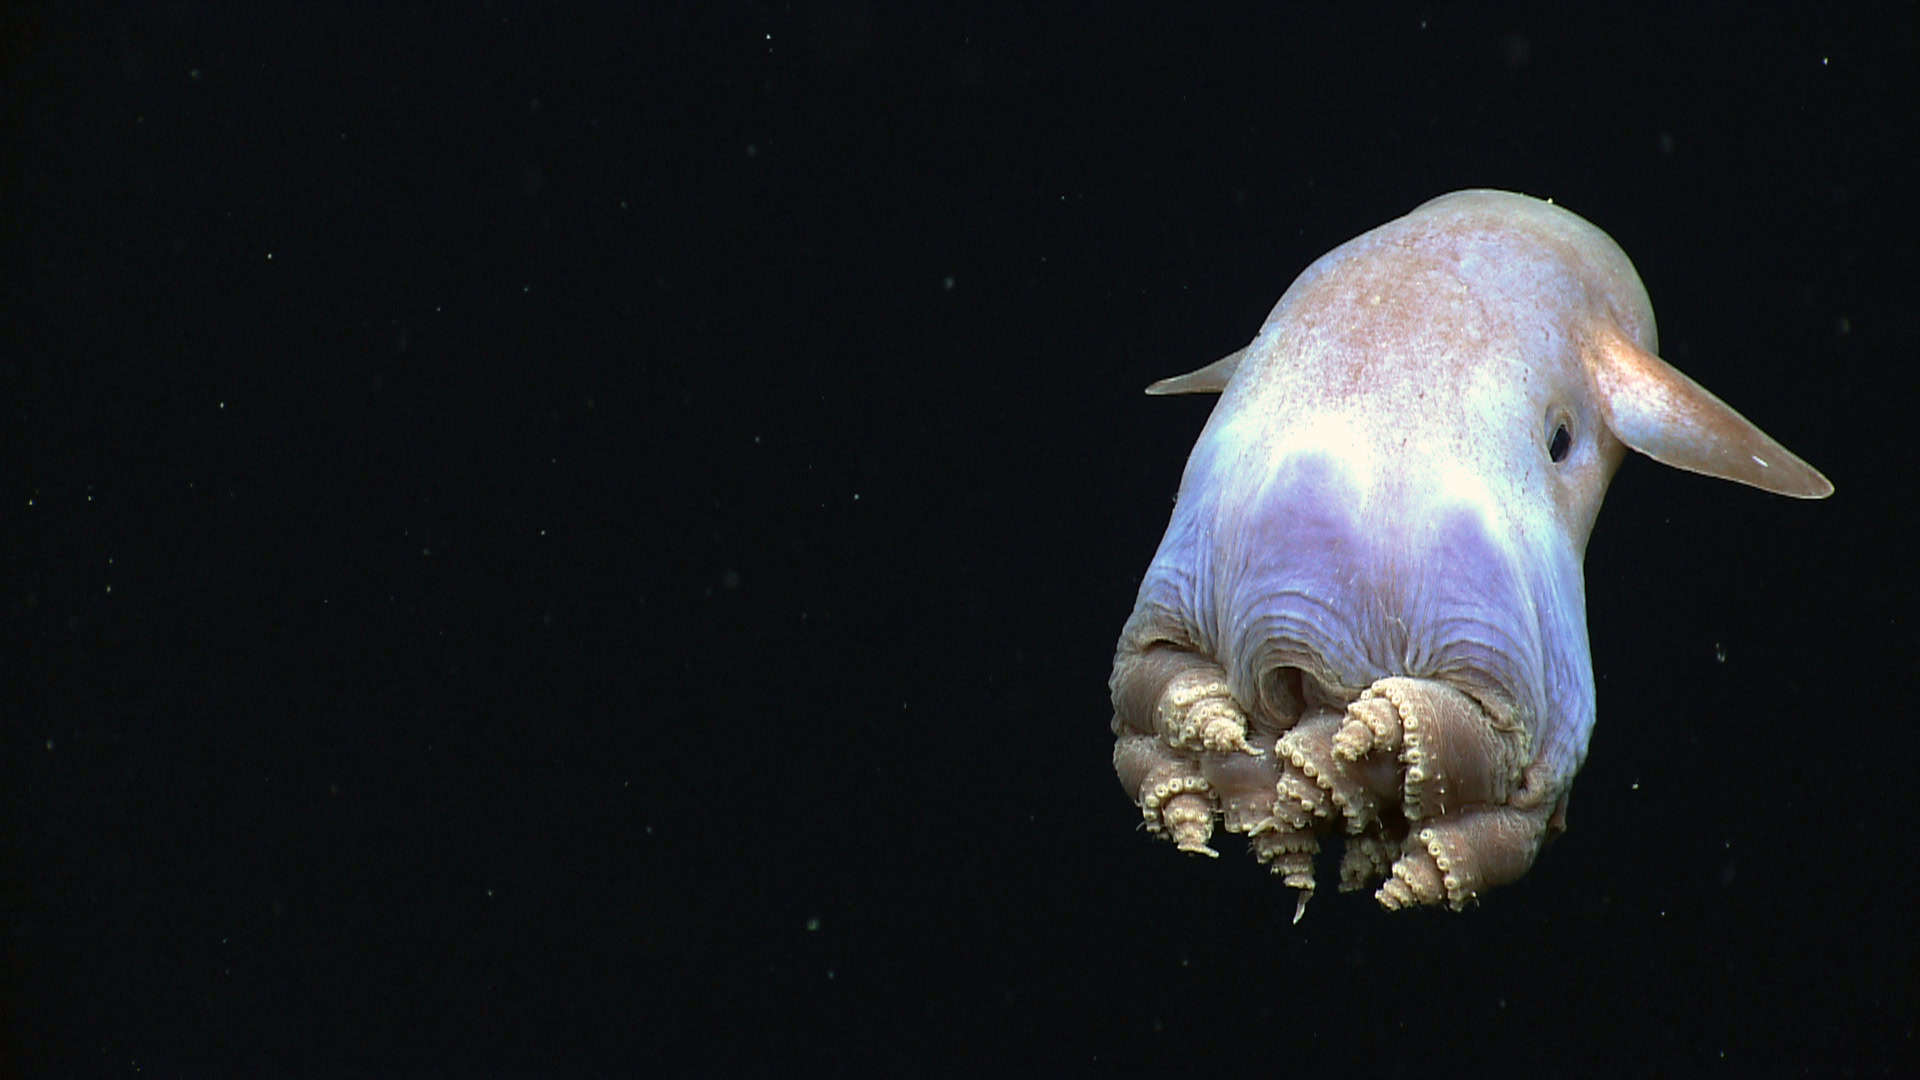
[(1367, 615)]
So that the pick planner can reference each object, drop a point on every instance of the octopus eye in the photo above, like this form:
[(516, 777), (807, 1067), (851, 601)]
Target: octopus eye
[(1559, 442)]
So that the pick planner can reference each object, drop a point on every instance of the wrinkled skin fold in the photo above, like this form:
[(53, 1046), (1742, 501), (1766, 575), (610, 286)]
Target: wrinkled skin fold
[(1366, 618)]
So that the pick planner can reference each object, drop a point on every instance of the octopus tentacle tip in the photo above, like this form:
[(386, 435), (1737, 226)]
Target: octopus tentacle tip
[(1353, 741)]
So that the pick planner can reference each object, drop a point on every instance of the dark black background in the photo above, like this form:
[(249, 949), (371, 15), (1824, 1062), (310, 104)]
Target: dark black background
[(591, 543)]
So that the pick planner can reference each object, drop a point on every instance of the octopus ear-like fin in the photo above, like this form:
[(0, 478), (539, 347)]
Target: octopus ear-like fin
[(1207, 380), (1653, 408)]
